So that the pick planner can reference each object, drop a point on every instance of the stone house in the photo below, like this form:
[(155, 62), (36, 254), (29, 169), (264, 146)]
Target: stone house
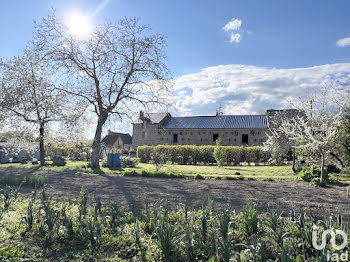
[(162, 128), (116, 143), (233, 130)]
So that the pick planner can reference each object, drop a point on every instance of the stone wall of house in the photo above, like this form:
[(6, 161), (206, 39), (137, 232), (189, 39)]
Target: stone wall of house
[(153, 134)]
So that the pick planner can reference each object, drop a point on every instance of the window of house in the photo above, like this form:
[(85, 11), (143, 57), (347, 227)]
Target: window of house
[(144, 135), (244, 139), (215, 137), (175, 138)]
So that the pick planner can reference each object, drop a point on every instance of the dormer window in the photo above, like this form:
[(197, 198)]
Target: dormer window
[(145, 123)]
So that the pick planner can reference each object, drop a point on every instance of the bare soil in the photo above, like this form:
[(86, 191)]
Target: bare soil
[(137, 191)]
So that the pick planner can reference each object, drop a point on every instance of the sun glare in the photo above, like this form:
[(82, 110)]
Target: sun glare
[(79, 25)]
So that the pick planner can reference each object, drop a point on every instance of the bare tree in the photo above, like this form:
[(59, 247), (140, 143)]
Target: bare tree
[(115, 69), (27, 93)]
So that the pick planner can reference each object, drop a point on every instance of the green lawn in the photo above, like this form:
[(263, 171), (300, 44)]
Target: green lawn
[(343, 177), (248, 172), (258, 172)]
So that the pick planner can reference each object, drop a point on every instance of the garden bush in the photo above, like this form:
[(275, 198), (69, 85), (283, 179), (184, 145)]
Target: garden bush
[(332, 169), (187, 154), (220, 153), (312, 174), (127, 161), (58, 161)]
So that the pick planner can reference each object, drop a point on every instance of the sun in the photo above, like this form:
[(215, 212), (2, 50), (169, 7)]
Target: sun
[(79, 25)]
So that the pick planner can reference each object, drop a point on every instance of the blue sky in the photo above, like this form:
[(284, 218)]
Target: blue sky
[(280, 49), (282, 34)]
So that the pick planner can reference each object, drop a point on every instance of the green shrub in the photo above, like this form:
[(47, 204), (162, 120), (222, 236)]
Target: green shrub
[(312, 174), (237, 173), (198, 176), (332, 169), (127, 161), (58, 161), (220, 153), (144, 153), (186, 154)]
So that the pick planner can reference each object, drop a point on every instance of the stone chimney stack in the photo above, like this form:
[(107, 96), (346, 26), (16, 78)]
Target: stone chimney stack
[(109, 132), (141, 115)]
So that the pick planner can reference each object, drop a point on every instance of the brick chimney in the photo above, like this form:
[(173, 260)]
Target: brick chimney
[(109, 132)]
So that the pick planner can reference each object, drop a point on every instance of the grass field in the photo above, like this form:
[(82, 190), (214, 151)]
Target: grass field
[(247, 172), (259, 172)]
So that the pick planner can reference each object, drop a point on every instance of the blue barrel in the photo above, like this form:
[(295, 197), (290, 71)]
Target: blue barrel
[(116, 160)]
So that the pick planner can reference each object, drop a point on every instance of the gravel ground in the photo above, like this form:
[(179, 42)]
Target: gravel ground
[(137, 191)]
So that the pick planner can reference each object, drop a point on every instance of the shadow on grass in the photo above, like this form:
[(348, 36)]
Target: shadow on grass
[(337, 183)]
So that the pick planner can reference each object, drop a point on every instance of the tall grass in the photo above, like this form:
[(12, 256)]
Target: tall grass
[(26, 180)]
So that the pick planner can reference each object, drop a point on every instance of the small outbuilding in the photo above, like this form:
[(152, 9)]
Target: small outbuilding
[(116, 143)]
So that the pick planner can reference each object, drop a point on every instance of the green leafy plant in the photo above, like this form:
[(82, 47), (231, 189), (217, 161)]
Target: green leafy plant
[(220, 153), (83, 203)]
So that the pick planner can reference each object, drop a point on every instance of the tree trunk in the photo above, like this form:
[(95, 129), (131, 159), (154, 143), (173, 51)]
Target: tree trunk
[(96, 146), (293, 166), (322, 169), (42, 146)]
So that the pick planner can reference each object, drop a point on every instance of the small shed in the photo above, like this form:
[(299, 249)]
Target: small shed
[(116, 143)]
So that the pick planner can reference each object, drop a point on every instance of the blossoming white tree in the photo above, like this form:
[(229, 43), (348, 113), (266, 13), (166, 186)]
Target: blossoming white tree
[(28, 96), (315, 131)]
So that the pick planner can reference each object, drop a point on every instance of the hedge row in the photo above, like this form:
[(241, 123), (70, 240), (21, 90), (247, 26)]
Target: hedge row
[(201, 154)]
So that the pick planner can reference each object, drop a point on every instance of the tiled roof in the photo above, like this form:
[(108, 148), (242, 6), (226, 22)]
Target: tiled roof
[(154, 117), (216, 122), (111, 138)]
